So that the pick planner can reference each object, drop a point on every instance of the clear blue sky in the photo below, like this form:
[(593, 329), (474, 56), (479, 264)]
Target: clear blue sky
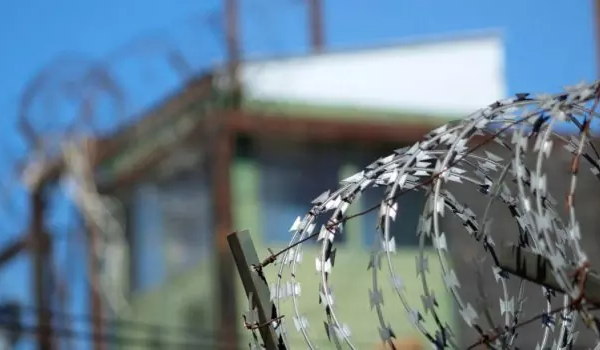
[(549, 44)]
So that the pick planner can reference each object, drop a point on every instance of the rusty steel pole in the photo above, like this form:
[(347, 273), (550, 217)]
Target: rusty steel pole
[(221, 159), (315, 29), (233, 49), (222, 206), (231, 29)]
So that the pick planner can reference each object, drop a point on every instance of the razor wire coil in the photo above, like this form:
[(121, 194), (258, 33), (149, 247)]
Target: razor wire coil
[(524, 126)]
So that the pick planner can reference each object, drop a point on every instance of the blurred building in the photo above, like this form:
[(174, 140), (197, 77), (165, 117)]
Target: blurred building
[(304, 124)]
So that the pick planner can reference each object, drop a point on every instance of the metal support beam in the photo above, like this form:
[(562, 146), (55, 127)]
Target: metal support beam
[(255, 285), (537, 269)]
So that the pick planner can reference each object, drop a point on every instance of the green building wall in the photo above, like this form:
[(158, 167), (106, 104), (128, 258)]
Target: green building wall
[(187, 307), (172, 305)]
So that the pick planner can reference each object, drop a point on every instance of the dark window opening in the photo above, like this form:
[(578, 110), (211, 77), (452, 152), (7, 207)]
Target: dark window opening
[(293, 175), (244, 146), (169, 227)]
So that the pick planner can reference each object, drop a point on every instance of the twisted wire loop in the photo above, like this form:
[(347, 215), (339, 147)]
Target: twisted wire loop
[(524, 127)]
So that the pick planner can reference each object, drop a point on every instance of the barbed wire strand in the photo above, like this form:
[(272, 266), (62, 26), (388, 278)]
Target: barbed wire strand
[(273, 257), (527, 322), (575, 303)]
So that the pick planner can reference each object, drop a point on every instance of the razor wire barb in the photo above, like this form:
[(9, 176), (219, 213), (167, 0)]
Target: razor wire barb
[(523, 125)]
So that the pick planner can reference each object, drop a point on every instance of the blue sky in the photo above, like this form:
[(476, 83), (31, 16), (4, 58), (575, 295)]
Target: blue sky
[(549, 44)]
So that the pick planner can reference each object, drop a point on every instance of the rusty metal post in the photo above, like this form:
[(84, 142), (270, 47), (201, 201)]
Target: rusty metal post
[(222, 159), (232, 34), (222, 156), (315, 17), (233, 49), (40, 248)]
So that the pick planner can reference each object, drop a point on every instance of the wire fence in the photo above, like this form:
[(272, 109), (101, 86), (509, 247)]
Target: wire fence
[(521, 180)]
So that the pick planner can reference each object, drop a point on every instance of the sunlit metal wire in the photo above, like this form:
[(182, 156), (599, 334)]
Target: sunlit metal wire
[(524, 126)]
